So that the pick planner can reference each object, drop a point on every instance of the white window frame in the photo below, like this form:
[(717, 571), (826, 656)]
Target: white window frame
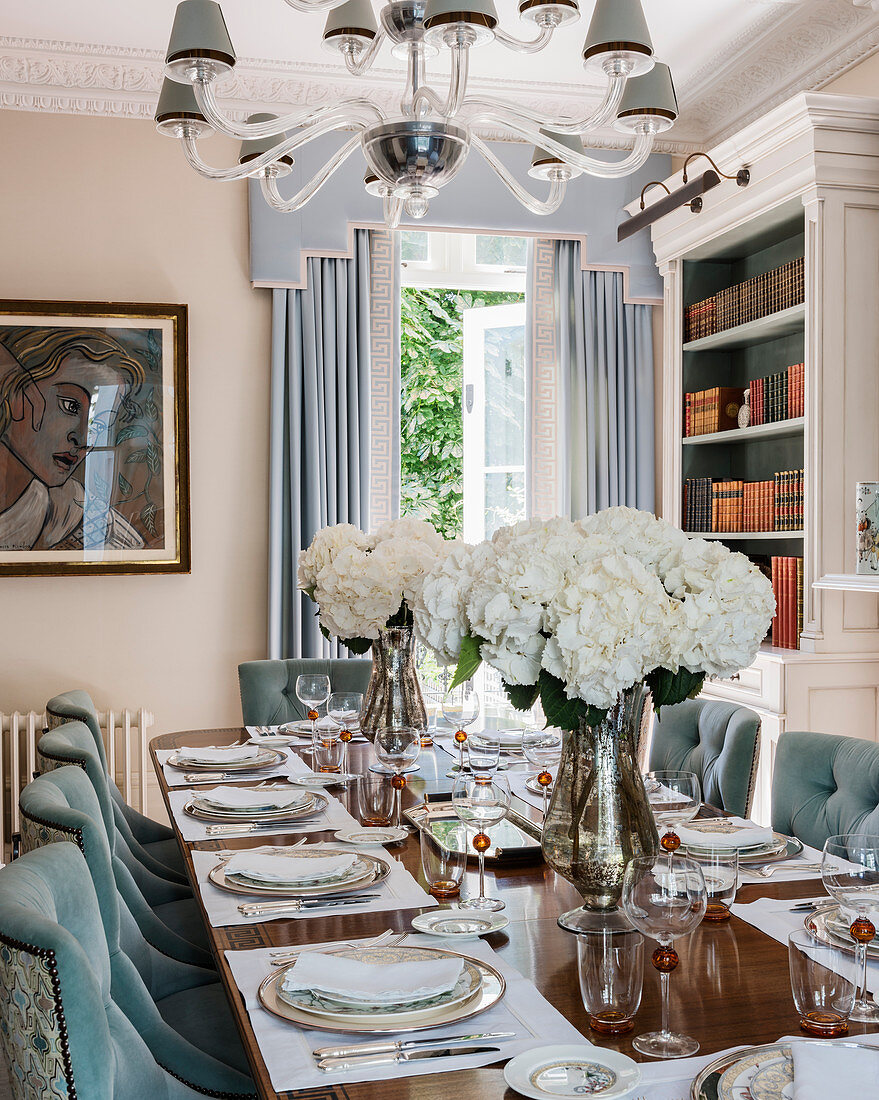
[(452, 264)]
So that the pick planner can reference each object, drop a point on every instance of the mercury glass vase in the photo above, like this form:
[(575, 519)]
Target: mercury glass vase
[(599, 817), (393, 696)]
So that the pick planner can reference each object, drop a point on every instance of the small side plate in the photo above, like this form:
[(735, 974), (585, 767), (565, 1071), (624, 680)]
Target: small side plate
[(327, 779), (459, 924), (571, 1071), (378, 835)]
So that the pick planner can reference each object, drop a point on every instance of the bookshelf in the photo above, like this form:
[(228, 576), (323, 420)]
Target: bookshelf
[(814, 192)]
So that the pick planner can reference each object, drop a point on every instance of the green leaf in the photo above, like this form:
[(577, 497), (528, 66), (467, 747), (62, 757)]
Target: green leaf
[(124, 485), (669, 688), (469, 660), (154, 458), (562, 712), (130, 432), (522, 696), (148, 518), (136, 456), (357, 645)]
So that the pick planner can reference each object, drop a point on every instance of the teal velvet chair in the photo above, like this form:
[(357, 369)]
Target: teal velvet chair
[(268, 688), (153, 838), (63, 1032), (824, 785), (189, 999), (169, 901), (718, 741)]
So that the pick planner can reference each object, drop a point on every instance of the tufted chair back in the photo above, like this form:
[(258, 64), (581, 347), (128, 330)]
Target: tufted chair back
[(268, 688), (824, 785), (60, 1027), (718, 741), (77, 706)]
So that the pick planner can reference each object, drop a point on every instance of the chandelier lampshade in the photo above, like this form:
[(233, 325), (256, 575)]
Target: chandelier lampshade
[(177, 107), (351, 24), (544, 164), (618, 36), (549, 12), (199, 34), (251, 148), (648, 100), (473, 20)]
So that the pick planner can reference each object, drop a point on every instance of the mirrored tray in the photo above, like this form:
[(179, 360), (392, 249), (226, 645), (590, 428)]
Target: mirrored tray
[(490, 992), (315, 806), (375, 870), (513, 839), (265, 758)]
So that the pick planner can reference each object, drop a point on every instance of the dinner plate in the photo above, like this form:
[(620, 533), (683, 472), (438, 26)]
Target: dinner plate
[(459, 924), (570, 1071), (265, 758), (828, 926), (781, 848), (325, 779), (303, 729), (507, 739), (202, 801), (489, 993), (377, 835), (371, 871), (380, 769), (534, 786), (316, 806)]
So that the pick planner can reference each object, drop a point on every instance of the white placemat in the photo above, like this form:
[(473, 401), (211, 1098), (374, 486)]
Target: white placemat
[(398, 891), (775, 919), (335, 817), (287, 1049), (291, 765)]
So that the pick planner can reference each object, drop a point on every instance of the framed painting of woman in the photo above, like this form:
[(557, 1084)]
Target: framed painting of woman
[(94, 456)]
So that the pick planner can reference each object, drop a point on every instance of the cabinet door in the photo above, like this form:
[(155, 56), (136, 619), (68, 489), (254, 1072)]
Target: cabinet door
[(771, 728)]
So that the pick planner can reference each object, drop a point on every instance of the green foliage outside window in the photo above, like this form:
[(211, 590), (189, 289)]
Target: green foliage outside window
[(431, 361)]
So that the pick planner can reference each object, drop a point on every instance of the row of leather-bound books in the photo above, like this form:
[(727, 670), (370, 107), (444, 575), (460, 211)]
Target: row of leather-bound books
[(715, 505), (759, 296), (786, 574)]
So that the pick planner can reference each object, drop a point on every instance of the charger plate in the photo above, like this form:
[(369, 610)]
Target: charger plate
[(317, 805), (781, 848), (265, 758), (829, 926), (489, 993), (371, 870), (202, 801), (536, 788), (755, 1073), (569, 1071)]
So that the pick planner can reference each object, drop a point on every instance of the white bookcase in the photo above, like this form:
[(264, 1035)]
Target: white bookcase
[(814, 191)]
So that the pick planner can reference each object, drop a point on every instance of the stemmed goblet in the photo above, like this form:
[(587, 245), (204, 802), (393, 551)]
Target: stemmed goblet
[(344, 708), (850, 873), (397, 747), (460, 710), (676, 800), (312, 689), (664, 899), (543, 749), (481, 801)]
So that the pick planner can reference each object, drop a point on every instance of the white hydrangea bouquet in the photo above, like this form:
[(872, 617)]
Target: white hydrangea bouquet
[(361, 583), (575, 613)]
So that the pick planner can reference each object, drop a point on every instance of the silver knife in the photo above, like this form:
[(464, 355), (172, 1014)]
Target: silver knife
[(296, 905), (227, 829), (329, 1065), (408, 1044)]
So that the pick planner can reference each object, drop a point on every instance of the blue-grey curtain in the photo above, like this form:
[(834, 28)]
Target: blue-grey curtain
[(319, 431), (606, 361)]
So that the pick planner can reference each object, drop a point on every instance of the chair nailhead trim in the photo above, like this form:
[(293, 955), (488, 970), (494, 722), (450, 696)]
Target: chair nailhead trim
[(76, 834), (208, 1092)]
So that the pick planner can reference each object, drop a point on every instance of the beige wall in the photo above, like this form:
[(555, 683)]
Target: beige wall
[(863, 79), (99, 209)]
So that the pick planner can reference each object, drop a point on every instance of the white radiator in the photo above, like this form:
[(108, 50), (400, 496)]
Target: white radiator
[(125, 743)]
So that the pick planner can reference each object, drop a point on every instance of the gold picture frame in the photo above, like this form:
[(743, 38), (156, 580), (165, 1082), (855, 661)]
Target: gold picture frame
[(94, 438)]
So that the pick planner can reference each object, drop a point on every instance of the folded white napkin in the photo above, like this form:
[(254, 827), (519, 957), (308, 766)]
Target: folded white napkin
[(249, 798), (277, 867), (822, 1072), (733, 832), (385, 983), (229, 754)]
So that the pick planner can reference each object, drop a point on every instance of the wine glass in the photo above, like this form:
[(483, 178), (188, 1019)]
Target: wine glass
[(397, 747), (664, 899), (543, 749), (344, 708), (312, 689), (676, 800), (460, 710), (481, 801), (850, 873)]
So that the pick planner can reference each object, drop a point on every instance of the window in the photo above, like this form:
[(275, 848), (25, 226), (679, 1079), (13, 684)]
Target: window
[(414, 247)]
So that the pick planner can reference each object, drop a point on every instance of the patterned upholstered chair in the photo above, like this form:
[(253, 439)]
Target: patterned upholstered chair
[(64, 1035), (718, 741), (824, 785), (61, 805), (268, 688), (141, 833), (148, 894)]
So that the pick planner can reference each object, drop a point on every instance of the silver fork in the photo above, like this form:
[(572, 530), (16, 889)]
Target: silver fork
[(769, 869), (384, 940)]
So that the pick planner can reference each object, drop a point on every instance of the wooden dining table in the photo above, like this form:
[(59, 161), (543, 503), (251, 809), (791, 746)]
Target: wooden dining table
[(732, 985)]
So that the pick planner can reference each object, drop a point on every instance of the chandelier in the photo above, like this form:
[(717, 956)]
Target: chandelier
[(410, 155)]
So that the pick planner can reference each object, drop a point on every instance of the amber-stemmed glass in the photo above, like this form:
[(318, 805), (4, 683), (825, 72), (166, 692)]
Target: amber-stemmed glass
[(460, 710), (543, 749), (344, 708), (397, 747), (676, 800), (850, 873), (481, 801), (312, 690), (664, 897)]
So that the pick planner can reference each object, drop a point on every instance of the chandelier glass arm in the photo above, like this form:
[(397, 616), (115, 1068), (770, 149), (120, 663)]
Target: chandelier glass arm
[(314, 5), (269, 184), (359, 63), (603, 113), (355, 112), (534, 46), (557, 187), (392, 208), (457, 87)]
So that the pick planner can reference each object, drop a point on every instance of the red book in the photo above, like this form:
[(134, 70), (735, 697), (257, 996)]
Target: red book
[(791, 607), (776, 591)]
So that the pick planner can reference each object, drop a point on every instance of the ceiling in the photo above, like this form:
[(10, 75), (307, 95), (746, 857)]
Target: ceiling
[(731, 59)]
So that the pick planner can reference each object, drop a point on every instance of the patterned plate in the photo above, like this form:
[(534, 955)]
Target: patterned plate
[(370, 870), (490, 991), (265, 758), (757, 1073), (827, 925), (202, 801), (315, 806)]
